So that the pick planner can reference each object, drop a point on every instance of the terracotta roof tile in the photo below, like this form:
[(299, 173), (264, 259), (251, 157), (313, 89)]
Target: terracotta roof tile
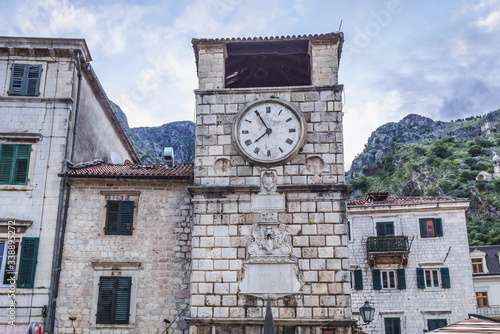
[(332, 35), (184, 171), (404, 200)]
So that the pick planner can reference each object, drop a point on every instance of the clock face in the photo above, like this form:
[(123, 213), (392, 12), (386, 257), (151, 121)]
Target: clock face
[(269, 132)]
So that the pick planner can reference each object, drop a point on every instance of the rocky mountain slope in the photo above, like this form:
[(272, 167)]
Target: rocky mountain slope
[(420, 157), (150, 141)]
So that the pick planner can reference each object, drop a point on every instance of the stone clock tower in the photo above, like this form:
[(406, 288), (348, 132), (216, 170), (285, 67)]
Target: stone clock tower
[(269, 193)]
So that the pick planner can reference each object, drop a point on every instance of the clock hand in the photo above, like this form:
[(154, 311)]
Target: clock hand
[(261, 119), (268, 131)]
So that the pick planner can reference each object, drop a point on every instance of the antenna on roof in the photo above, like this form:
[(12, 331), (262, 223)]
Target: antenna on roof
[(340, 25)]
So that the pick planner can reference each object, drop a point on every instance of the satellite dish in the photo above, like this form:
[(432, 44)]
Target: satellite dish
[(116, 158)]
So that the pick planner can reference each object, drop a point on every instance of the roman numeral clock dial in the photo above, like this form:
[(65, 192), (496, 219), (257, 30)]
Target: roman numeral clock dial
[(269, 132)]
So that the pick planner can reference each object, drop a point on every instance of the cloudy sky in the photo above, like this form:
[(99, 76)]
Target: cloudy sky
[(435, 58)]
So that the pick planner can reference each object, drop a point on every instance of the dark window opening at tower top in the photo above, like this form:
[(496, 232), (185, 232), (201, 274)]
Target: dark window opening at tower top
[(268, 64)]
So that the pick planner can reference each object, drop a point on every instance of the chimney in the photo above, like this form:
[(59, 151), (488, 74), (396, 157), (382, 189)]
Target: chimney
[(168, 154)]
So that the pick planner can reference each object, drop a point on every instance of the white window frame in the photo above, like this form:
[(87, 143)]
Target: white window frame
[(433, 284), (5, 259), (387, 272)]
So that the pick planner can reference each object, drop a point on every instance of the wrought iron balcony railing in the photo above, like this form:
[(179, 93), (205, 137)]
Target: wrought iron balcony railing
[(389, 244)]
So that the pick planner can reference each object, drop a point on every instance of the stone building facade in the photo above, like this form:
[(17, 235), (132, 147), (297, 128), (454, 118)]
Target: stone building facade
[(486, 276), (40, 91), (269, 227), (154, 254), (409, 258)]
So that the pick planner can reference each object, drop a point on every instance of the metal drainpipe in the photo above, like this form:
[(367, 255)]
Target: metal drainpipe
[(54, 280)]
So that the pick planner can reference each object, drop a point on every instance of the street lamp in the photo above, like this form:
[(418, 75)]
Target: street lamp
[(367, 312)]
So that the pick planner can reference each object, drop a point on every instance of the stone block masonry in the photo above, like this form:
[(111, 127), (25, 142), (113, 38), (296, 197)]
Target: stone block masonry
[(156, 255)]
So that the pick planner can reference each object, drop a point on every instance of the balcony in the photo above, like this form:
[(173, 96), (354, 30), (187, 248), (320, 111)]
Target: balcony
[(492, 311), (388, 250)]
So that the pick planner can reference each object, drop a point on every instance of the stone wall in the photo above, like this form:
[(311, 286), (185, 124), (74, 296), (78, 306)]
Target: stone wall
[(156, 255), (412, 305), (217, 109)]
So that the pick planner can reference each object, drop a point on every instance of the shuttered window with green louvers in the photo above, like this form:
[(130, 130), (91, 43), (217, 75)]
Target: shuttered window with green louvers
[(113, 304), (25, 80), (14, 163), (119, 217), (27, 263)]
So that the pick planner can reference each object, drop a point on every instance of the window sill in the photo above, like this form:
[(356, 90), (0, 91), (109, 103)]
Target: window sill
[(9, 187), (113, 326)]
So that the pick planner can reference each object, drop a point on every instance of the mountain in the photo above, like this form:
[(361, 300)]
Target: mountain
[(150, 141), (421, 157)]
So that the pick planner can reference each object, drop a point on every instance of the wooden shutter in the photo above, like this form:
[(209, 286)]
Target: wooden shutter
[(127, 217), (33, 80), (420, 278), (27, 263), (392, 326), (349, 230), (122, 299), (105, 300), (7, 152), (20, 175), (112, 213), (358, 279), (445, 278), (401, 278), (423, 227), (436, 323), (18, 79), (438, 227), (377, 284), (114, 300)]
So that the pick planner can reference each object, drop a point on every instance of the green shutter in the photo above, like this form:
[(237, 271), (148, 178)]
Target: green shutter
[(33, 80), (438, 227), (14, 163), (349, 230), (423, 227), (27, 263), (18, 79), (377, 283), (119, 217), (25, 80), (401, 278), (127, 217), (420, 278), (114, 300), (392, 325), (105, 301), (445, 278), (433, 324), (358, 279), (7, 152)]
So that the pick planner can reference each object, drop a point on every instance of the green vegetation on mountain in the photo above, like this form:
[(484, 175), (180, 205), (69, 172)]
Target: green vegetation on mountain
[(420, 157)]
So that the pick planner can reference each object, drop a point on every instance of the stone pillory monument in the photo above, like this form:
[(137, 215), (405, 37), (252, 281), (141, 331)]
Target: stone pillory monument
[(269, 213)]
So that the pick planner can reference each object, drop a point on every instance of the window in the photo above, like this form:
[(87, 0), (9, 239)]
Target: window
[(113, 304), (119, 217), (14, 163), (433, 324), (25, 80), (349, 230), (482, 299), (433, 278), (389, 279), (8, 261), (431, 227), (392, 326), (477, 266), (27, 264), (385, 229)]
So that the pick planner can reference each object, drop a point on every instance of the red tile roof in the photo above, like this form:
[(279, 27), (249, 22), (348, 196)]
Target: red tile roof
[(332, 35), (404, 200), (184, 171)]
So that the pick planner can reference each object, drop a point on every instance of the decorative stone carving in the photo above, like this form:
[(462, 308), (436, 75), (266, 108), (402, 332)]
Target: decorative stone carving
[(270, 240), (268, 180)]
